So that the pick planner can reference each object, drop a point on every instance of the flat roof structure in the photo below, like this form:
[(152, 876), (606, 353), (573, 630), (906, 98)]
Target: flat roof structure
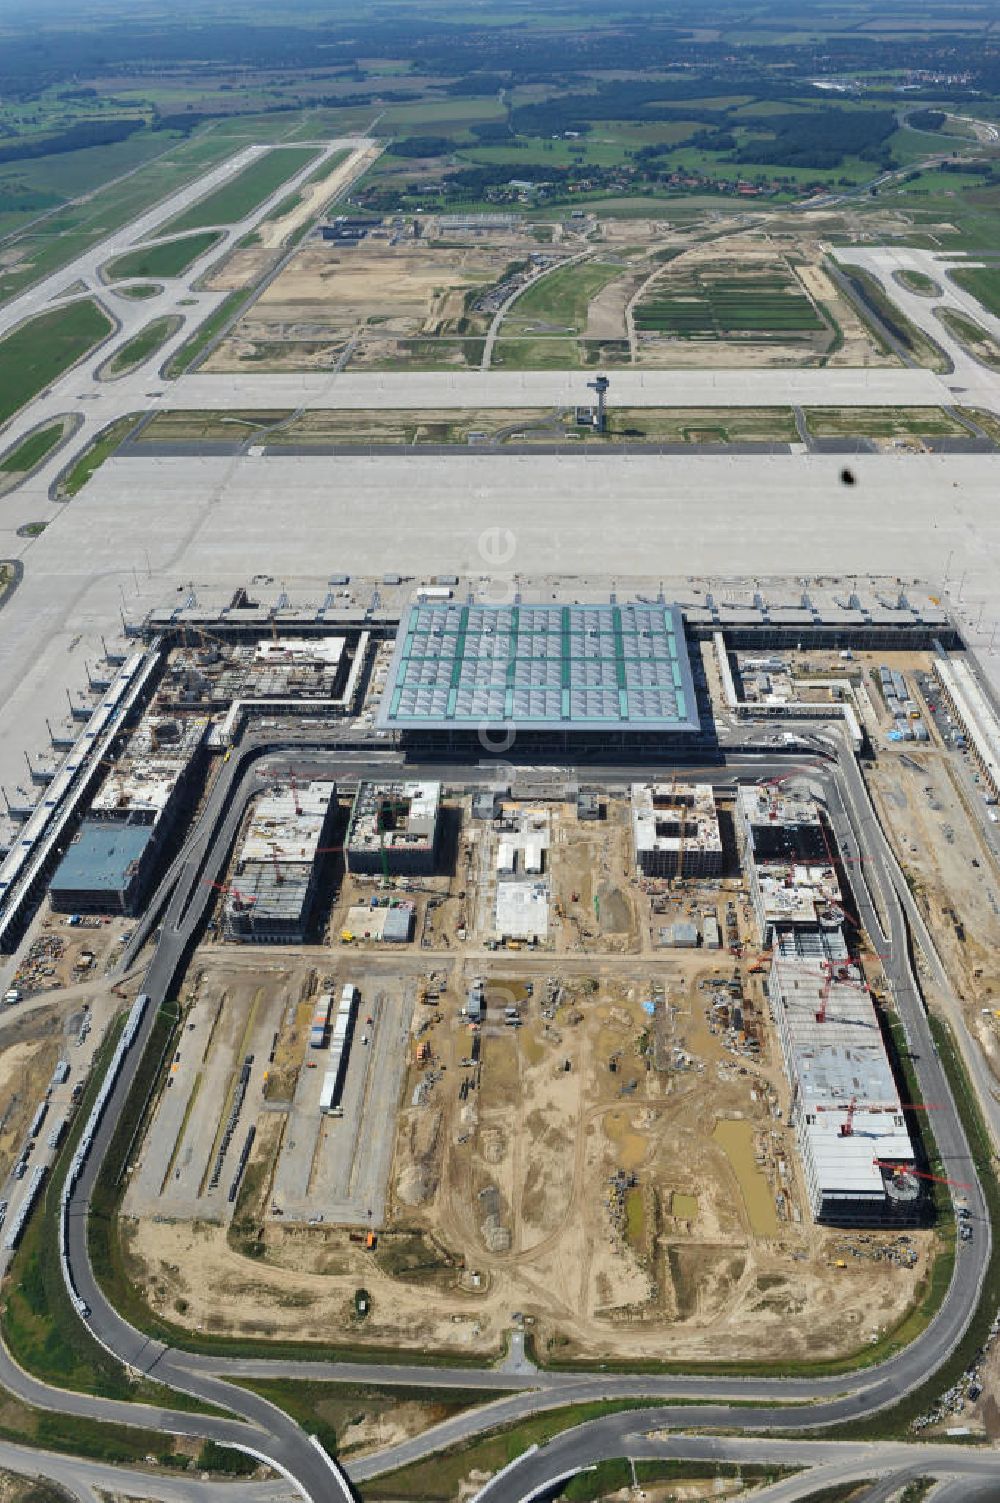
[(395, 825), (102, 867), (522, 910), (797, 895), (267, 901), (559, 667), (286, 824), (847, 1113)]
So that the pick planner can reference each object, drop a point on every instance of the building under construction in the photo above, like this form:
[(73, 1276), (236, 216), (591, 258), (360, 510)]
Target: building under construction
[(394, 829), (787, 862), (272, 890), (857, 1157), (675, 830), (115, 854)]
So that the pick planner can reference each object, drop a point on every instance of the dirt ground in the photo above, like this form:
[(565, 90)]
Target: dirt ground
[(398, 299), (240, 269), (275, 232), (927, 807), (617, 1168)]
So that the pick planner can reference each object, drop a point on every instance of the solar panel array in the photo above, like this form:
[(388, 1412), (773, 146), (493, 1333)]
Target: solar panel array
[(572, 666)]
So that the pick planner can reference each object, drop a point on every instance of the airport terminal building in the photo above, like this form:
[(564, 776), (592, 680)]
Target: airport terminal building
[(544, 677)]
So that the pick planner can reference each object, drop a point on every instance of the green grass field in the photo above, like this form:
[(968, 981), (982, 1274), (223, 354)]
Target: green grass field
[(74, 228), (39, 351), (916, 281), (140, 291), (243, 193), (561, 298), (139, 348), (882, 422), (33, 449), (104, 445), (973, 336), (189, 351), (167, 260), (983, 282)]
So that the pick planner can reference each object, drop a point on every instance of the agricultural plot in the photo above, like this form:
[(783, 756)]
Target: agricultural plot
[(758, 303)]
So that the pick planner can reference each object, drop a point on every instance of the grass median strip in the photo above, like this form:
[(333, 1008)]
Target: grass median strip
[(167, 260), (209, 330), (141, 346), (90, 461), (440, 1476), (242, 194), (40, 350), (33, 449)]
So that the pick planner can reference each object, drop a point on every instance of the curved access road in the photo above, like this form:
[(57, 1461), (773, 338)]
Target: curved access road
[(764, 1403)]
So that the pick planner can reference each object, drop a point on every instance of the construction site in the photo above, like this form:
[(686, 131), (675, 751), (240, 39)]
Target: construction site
[(614, 1053), (503, 291), (604, 1134)]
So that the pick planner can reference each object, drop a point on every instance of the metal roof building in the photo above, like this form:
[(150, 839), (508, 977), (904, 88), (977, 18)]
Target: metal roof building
[(846, 1110), (607, 673), (104, 869)]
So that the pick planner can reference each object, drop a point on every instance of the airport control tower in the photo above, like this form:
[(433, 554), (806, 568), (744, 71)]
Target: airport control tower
[(600, 384)]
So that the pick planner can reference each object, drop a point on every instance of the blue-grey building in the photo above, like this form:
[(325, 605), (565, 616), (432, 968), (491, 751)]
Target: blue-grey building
[(105, 869), (544, 676)]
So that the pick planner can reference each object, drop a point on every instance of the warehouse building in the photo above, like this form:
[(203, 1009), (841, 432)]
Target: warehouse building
[(273, 887), (395, 829), (675, 830), (851, 1130), (550, 677)]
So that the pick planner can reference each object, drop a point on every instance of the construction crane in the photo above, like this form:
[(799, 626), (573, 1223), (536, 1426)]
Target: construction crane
[(295, 794), (840, 973), (938, 1179), (847, 1126)]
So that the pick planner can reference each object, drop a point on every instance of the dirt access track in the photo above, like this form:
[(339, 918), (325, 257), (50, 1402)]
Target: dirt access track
[(314, 196)]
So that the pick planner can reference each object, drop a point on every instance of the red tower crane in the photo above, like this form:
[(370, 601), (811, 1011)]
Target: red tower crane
[(939, 1179)]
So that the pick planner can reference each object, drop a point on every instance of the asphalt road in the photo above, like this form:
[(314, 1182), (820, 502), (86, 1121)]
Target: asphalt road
[(836, 1462), (816, 1401)]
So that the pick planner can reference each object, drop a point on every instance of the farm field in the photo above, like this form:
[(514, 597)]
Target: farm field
[(706, 302), (36, 352), (168, 259), (238, 197)]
